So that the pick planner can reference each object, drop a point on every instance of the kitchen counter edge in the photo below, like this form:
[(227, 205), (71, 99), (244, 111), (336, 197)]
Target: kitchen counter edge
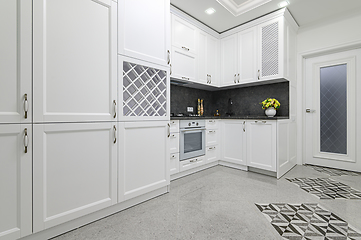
[(233, 117)]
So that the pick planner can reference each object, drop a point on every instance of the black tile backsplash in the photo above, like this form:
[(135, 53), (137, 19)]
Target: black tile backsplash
[(245, 99)]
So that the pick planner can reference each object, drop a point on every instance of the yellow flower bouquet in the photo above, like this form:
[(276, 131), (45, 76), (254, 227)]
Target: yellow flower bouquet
[(270, 102)]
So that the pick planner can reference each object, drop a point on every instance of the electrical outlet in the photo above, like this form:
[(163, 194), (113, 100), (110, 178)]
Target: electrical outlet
[(189, 109)]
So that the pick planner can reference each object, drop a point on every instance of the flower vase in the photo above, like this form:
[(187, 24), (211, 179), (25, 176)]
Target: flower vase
[(270, 112)]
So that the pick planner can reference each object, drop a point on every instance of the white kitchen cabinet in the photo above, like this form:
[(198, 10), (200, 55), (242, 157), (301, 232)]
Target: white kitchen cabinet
[(247, 58), (15, 180), (16, 61), (229, 68), (143, 160), (234, 141), (183, 65), (211, 137), (212, 124), (262, 144), (144, 30), (184, 35), (188, 164), (74, 171), (174, 163), (208, 59), (74, 60), (212, 154)]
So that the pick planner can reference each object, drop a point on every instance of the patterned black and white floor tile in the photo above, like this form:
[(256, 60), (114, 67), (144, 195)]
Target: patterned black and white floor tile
[(307, 221), (333, 171), (326, 188)]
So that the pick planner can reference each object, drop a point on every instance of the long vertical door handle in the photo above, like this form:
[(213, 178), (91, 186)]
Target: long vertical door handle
[(26, 140), (115, 109), (259, 72), (168, 130), (26, 106), (168, 56), (115, 134)]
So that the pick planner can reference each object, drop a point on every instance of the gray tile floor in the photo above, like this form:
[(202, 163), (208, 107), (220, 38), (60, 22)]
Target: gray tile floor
[(218, 203)]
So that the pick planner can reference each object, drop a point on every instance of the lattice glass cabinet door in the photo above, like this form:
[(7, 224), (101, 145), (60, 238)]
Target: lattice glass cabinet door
[(145, 91)]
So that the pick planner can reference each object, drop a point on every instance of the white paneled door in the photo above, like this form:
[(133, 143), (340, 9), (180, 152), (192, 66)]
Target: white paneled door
[(234, 141), (15, 61), (331, 133), (74, 171), (15, 180), (75, 60)]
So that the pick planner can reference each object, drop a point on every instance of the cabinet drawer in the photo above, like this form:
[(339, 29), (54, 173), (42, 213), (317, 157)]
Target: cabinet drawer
[(174, 142), (212, 154), (174, 126), (191, 163), (212, 124), (211, 137), (174, 163)]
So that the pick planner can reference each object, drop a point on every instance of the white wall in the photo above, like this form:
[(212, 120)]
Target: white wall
[(333, 34)]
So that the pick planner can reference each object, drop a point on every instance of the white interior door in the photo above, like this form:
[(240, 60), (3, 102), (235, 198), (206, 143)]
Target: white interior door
[(332, 135)]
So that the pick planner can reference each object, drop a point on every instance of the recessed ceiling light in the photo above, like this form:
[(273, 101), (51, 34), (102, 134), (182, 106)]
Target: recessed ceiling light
[(210, 11), (283, 4)]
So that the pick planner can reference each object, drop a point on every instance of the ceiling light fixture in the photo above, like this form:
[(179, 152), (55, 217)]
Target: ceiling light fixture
[(283, 4), (210, 11)]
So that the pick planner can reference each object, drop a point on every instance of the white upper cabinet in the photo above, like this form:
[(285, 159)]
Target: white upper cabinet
[(74, 171), (208, 59), (247, 59), (183, 65), (144, 30), (74, 60), (16, 180), (184, 35), (229, 60), (270, 50), (16, 61)]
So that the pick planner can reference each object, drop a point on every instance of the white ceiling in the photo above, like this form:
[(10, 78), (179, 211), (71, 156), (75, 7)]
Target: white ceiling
[(305, 12)]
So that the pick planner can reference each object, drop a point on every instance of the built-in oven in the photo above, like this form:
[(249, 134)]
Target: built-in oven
[(192, 139)]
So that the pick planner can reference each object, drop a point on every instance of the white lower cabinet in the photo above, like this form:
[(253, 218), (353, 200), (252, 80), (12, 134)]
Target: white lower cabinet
[(143, 160), (174, 142), (262, 144), (74, 171), (234, 141), (191, 163), (174, 163), (15, 181)]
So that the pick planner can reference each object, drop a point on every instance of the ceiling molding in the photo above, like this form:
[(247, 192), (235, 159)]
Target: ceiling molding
[(238, 9)]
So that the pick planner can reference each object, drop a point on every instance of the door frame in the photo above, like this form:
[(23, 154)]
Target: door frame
[(301, 89)]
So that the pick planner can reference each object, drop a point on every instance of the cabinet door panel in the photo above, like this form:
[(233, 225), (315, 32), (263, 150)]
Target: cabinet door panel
[(15, 61), (184, 65), (229, 60), (233, 142), (15, 181), (74, 60), (174, 163), (202, 57), (262, 145), (148, 40), (213, 64), (184, 35), (74, 171), (174, 142), (247, 55), (143, 158)]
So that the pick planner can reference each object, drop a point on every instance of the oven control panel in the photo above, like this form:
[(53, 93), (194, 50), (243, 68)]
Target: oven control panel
[(192, 123)]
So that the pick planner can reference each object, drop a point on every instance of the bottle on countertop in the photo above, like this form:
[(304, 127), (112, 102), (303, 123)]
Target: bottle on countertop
[(201, 108), (217, 114)]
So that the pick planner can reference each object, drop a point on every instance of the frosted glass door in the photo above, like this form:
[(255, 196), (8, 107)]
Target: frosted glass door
[(331, 136)]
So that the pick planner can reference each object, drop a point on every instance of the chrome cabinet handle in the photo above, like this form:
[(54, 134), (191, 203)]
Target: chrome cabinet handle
[(26, 105), (185, 78), (259, 73), (244, 126), (173, 156), (115, 134), (235, 81), (194, 160), (115, 109), (168, 56), (260, 121), (187, 49), (238, 78), (308, 110), (191, 129), (211, 131), (26, 140), (168, 130), (170, 73), (211, 148)]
